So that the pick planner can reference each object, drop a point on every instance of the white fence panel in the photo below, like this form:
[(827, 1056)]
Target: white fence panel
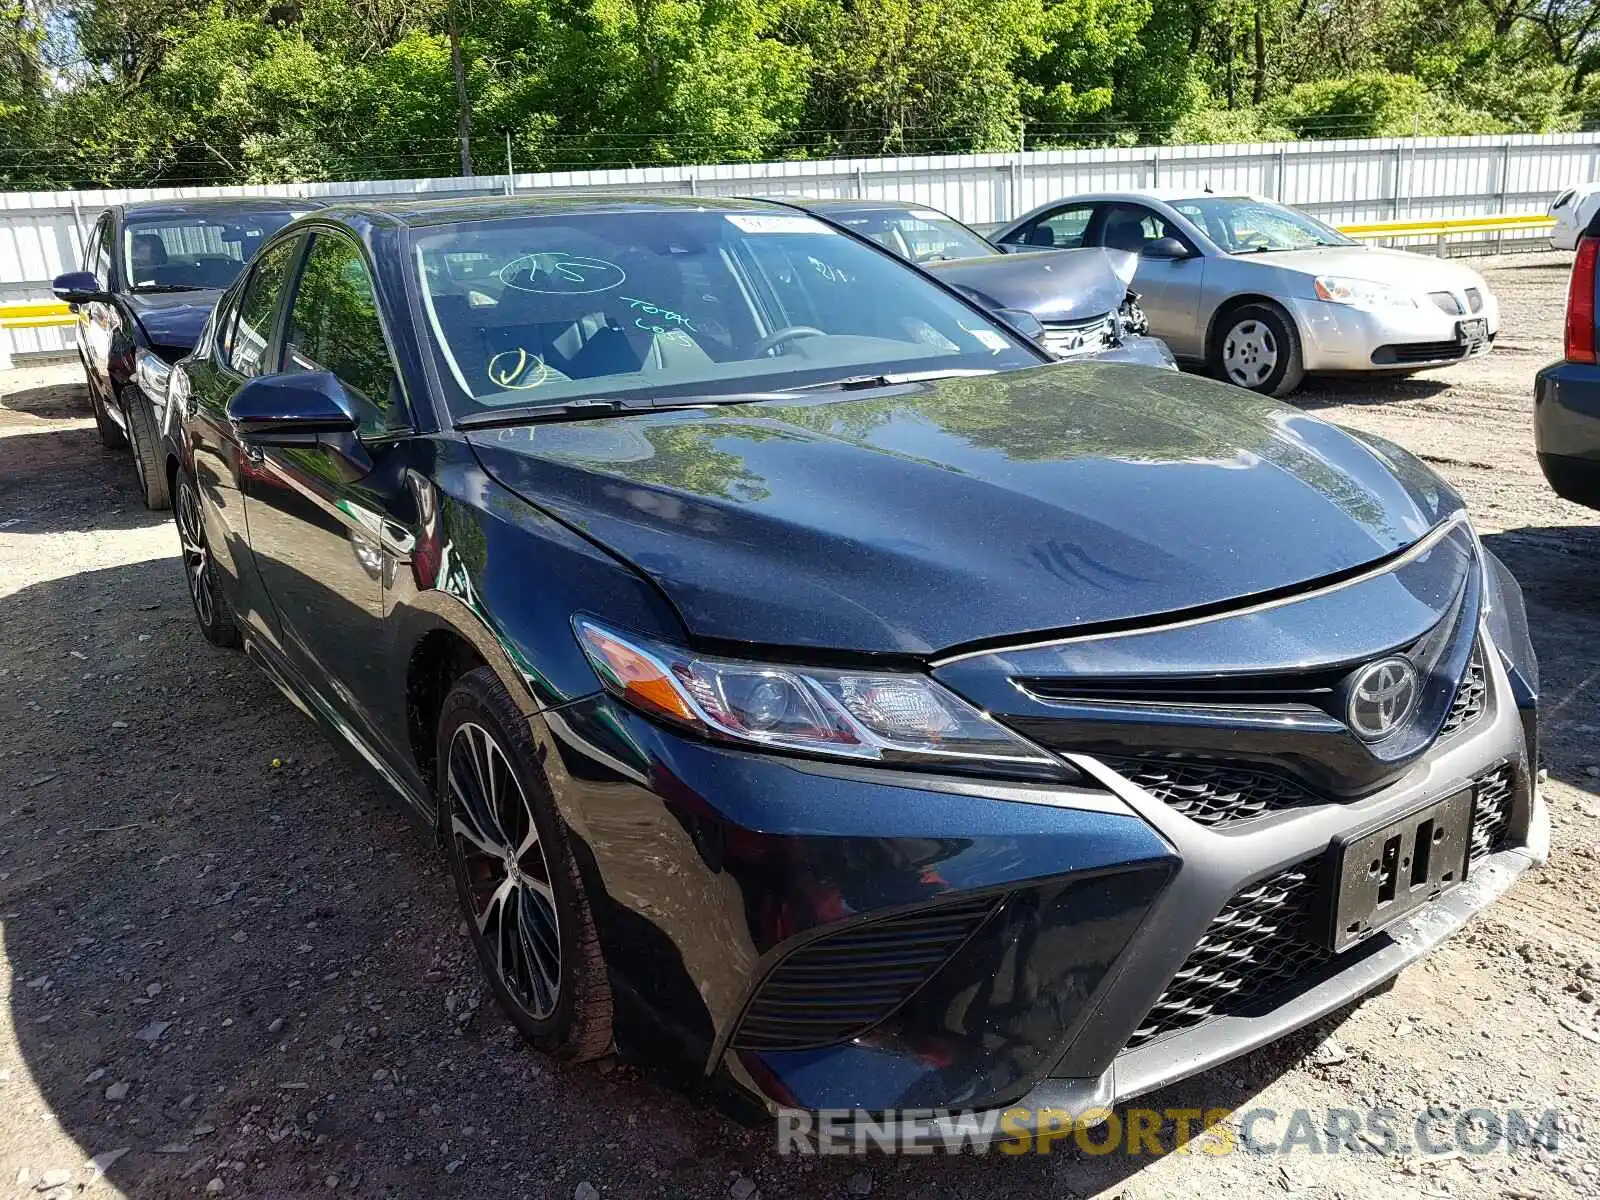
[(41, 233)]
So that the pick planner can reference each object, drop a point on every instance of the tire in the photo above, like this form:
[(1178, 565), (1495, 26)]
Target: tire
[(1256, 346), (146, 448), (111, 435), (200, 570), (531, 926)]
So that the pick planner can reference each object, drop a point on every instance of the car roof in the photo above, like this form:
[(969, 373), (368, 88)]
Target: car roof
[(839, 204), (220, 206), (416, 213), (1166, 195)]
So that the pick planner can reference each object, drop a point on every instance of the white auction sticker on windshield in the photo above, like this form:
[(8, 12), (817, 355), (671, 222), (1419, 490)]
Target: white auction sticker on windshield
[(989, 339), (777, 223), (927, 214)]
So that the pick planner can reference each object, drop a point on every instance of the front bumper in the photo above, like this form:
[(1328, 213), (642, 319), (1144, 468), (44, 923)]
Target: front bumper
[(1139, 349), (1055, 1103), (1338, 337), (1056, 917)]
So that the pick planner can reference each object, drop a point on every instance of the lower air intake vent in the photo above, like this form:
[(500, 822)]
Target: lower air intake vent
[(1260, 945), (1471, 696), (1213, 794), (840, 985), (1257, 945), (1491, 812)]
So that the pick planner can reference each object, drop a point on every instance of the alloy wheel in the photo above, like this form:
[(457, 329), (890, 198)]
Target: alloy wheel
[(508, 876), (196, 554), (1250, 354)]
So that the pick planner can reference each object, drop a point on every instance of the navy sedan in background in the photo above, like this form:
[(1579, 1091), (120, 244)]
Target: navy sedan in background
[(816, 688), (1077, 303), (151, 273)]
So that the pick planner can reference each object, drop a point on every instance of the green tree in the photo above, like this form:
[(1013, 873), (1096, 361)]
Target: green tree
[(917, 76)]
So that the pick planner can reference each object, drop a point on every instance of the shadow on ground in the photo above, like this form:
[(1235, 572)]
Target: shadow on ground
[(55, 479), (1558, 567), (233, 958), (61, 401), (1332, 391)]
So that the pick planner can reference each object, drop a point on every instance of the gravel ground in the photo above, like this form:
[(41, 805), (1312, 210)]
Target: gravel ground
[(231, 966)]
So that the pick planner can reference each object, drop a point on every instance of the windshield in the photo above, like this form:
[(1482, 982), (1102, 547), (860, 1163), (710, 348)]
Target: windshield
[(533, 309), (1241, 225), (183, 253), (920, 234)]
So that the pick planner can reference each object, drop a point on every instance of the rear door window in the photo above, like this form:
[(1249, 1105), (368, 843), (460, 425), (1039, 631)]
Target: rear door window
[(1063, 229)]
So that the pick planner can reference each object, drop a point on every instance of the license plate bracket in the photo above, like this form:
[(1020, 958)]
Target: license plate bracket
[(1388, 872), (1472, 332)]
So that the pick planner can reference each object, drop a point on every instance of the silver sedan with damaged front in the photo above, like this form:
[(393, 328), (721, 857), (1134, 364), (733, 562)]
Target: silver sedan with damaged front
[(1261, 294)]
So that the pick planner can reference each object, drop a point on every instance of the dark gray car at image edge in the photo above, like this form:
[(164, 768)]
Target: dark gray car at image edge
[(820, 695)]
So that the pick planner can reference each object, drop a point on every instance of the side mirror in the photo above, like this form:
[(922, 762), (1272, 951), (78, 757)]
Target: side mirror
[(77, 287), (292, 410), (1023, 321), (1169, 248)]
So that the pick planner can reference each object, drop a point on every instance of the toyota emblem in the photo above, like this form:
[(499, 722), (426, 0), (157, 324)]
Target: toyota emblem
[(1382, 696)]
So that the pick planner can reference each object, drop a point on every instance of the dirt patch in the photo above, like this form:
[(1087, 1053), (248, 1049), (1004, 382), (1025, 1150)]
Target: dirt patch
[(229, 962)]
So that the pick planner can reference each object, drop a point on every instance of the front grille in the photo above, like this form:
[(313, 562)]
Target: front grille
[(1069, 339), (1471, 696), (1262, 943), (840, 985), (1491, 812), (1415, 352), (1447, 302), (1257, 945), (1474, 300), (1214, 794)]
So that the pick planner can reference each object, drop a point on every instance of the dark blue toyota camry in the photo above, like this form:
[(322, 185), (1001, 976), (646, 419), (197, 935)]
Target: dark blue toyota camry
[(819, 692)]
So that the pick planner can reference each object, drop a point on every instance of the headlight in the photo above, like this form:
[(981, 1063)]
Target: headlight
[(1361, 293), (892, 718), (177, 398), (152, 373)]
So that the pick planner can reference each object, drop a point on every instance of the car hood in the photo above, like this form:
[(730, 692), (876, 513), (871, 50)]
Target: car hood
[(172, 320), (933, 516), (1054, 285), (1399, 268)]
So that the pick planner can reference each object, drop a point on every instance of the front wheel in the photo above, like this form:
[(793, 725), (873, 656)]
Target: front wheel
[(516, 878), (200, 570), (111, 435), (1257, 347), (146, 448)]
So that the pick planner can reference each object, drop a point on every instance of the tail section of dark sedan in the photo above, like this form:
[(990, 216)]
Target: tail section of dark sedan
[(1566, 412)]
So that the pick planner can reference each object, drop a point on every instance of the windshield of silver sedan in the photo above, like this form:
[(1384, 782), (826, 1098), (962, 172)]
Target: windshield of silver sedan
[(1243, 225), (532, 309)]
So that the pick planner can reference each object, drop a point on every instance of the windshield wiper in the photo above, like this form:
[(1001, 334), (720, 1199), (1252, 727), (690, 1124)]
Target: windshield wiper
[(856, 383), (166, 287), (584, 410)]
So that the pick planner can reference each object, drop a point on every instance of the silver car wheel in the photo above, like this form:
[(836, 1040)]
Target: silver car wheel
[(514, 901), (1250, 354), (196, 555)]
